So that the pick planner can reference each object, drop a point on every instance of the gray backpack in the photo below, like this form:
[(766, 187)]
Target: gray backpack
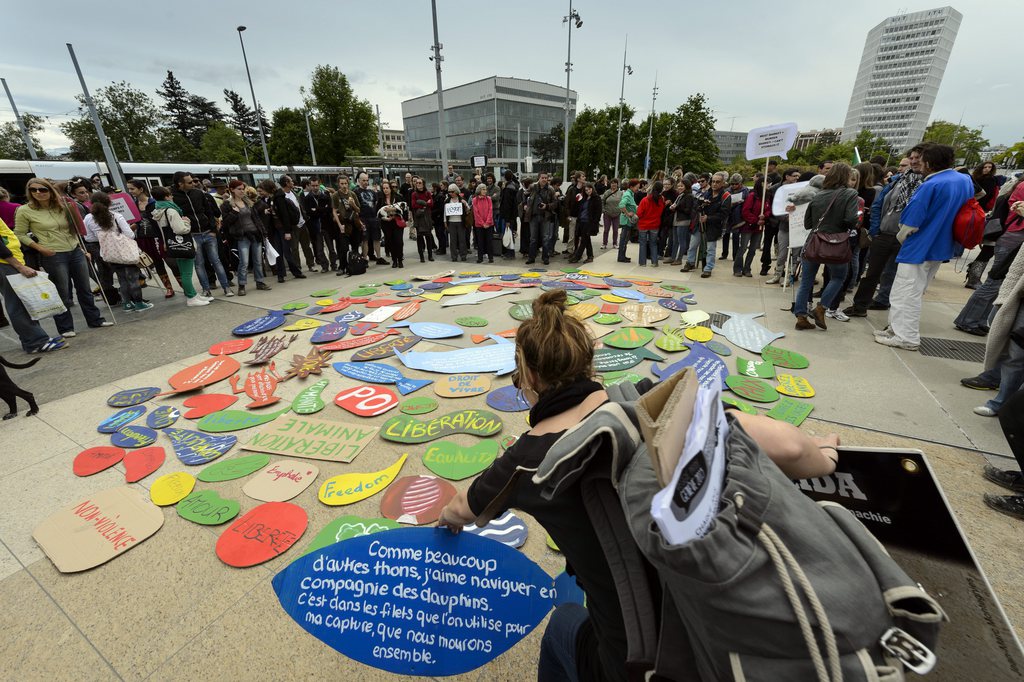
[(780, 588)]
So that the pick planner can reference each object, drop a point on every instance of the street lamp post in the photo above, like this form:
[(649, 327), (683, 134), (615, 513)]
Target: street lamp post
[(437, 59), (572, 18), (650, 129), (21, 123), (255, 105), (626, 70), (668, 144)]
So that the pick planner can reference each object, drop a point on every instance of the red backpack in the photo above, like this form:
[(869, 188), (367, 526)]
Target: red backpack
[(969, 224)]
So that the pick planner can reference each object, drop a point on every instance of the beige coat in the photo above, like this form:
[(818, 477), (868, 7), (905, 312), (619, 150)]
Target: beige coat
[(1008, 302)]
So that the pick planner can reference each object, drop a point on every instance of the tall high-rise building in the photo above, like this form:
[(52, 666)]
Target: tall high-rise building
[(899, 75)]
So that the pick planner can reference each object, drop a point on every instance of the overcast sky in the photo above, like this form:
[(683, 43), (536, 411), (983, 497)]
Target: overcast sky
[(759, 62)]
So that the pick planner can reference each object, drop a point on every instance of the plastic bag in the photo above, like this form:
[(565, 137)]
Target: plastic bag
[(270, 252), (38, 294)]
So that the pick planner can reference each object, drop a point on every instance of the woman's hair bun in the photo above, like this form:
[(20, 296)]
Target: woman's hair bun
[(550, 301)]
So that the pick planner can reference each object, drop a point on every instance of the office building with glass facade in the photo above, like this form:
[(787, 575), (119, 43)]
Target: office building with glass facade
[(497, 117)]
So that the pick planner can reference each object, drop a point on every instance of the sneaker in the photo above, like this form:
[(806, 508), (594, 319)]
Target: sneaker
[(196, 301), (883, 333), (207, 295), (737, 274), (837, 315), (105, 323), (604, 247), (773, 280), (896, 342), (1011, 505), (705, 274), (128, 307), (144, 305), (977, 383), (241, 291), (70, 335), (49, 346), (1011, 480), (262, 286), (877, 306), (229, 293), (984, 411), (854, 311), (748, 274)]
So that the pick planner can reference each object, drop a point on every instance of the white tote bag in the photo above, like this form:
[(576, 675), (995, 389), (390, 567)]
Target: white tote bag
[(270, 251), (38, 294)]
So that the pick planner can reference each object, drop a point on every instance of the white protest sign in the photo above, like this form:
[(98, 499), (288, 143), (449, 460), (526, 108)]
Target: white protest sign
[(453, 208), (798, 232), (124, 204), (782, 195), (773, 140)]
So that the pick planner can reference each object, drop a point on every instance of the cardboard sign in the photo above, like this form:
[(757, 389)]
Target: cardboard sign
[(773, 140), (407, 310), (416, 500), (192, 447), (431, 330), (366, 401), (362, 291), (121, 418), (308, 401), (671, 341), (607, 318), (331, 441), (787, 359), (741, 405), (629, 295), (171, 488), (204, 373), (612, 378), (453, 208), (207, 508), (709, 367), (691, 318), (295, 305), (406, 429), (700, 334), (521, 311), (762, 369), (349, 344), (207, 403), (304, 324), (752, 389), (471, 321), (94, 460), (480, 338), (123, 204), (230, 347), (352, 488), (582, 311), (312, 362), (672, 304), (360, 328), (386, 349), (329, 332), (455, 462), (462, 385), (507, 399), (346, 527), (508, 529), (272, 320), (97, 529), (141, 463), (565, 286), (742, 331), (791, 411), (162, 417), (132, 396), (654, 291), (321, 293), (719, 348), (380, 373), (643, 314), (790, 384), (475, 298), (281, 481), (265, 532), (132, 436), (419, 405), (499, 357), (259, 386), (267, 347), (609, 360), (229, 470), (383, 627), (236, 420), (629, 337)]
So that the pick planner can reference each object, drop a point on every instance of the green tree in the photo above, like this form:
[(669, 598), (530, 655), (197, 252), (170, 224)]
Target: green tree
[(549, 147), (12, 144), (592, 138), (187, 113), (130, 120), (174, 147), (222, 144), (692, 143), (290, 145), (1013, 157), (968, 142), (343, 125)]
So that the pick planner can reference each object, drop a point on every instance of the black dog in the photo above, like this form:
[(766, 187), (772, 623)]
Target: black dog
[(10, 392)]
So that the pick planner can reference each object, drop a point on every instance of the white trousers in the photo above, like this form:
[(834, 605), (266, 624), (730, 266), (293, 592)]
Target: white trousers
[(905, 300)]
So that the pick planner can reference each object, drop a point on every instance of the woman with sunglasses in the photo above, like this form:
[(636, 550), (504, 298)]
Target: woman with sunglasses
[(58, 244)]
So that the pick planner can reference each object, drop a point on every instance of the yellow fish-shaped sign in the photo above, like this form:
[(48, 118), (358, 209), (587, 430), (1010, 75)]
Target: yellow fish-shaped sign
[(350, 488)]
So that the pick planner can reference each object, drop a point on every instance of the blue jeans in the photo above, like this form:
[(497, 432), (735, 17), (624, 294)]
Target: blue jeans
[(694, 252), (977, 312), (808, 271), (542, 235), (250, 249), (747, 245), (624, 231), (206, 247), (29, 332), (680, 242), (557, 660), (1010, 366), (648, 246), (66, 268)]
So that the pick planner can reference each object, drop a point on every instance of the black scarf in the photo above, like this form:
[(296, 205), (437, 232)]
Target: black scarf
[(558, 401)]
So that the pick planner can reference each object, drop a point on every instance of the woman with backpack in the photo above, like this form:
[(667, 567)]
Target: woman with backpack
[(147, 234), (118, 249), (178, 242), (245, 226)]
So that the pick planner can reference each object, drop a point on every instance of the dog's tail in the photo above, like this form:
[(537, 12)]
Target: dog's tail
[(14, 365)]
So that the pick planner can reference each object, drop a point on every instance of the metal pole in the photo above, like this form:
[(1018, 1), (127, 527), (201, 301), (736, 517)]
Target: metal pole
[(309, 132), (108, 154), (21, 124), (442, 140), (650, 129), (128, 149), (519, 148), (380, 141), (565, 127), (622, 100), (255, 105), (668, 144)]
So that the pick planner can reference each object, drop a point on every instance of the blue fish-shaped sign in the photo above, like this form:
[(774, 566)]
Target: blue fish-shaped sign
[(508, 529), (710, 368), (132, 396), (162, 417), (350, 317), (468, 594), (742, 331), (120, 418), (499, 357), (193, 447), (631, 294), (432, 286), (567, 286), (617, 283), (133, 437), (380, 373), (509, 278), (329, 332), (507, 399), (272, 320), (430, 330), (672, 304)]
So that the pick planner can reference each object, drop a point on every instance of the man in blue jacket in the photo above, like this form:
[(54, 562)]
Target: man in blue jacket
[(926, 235)]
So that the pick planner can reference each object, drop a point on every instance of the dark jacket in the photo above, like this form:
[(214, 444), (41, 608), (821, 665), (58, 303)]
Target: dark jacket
[(233, 226), (667, 213), (507, 207), (285, 219), (542, 195), (686, 206), (314, 206), (593, 213), (840, 217), (718, 211), (573, 194), (199, 207)]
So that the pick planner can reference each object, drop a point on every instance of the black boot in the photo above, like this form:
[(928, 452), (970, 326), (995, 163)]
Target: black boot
[(430, 256), (974, 271), (421, 258)]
